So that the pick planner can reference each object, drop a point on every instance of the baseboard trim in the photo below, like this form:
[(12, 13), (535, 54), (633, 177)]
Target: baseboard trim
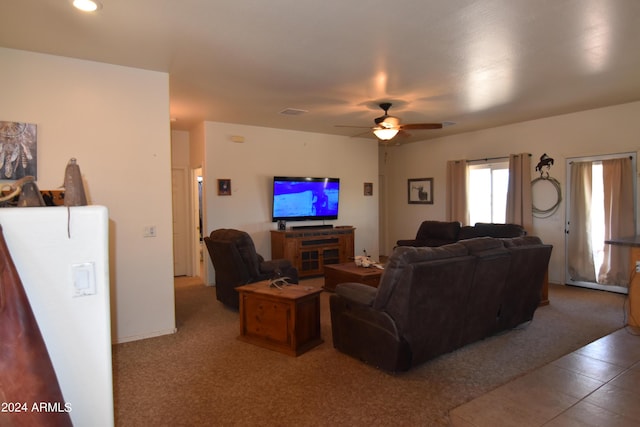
[(123, 340)]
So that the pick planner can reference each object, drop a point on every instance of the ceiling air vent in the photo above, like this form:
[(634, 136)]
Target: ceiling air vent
[(292, 112)]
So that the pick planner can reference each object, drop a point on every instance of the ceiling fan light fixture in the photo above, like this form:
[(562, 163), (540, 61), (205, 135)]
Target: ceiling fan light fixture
[(390, 122), (87, 5), (385, 134)]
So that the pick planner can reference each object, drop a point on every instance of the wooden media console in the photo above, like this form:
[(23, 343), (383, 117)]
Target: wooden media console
[(311, 249)]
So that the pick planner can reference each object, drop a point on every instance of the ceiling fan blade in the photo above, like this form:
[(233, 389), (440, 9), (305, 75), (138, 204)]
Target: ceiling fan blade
[(361, 134), (350, 126), (418, 126)]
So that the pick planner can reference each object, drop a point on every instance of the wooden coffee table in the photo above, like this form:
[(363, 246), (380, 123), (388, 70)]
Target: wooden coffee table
[(286, 320), (334, 274)]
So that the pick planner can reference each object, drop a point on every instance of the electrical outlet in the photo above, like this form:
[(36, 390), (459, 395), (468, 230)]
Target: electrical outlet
[(637, 266)]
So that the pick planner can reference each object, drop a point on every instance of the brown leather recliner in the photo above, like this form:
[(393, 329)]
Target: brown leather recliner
[(237, 263)]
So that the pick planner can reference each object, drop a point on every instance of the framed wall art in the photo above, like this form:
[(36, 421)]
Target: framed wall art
[(224, 187), (368, 188), (18, 150), (420, 191)]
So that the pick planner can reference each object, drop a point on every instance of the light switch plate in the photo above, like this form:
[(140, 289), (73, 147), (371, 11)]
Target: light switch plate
[(83, 277), (149, 231)]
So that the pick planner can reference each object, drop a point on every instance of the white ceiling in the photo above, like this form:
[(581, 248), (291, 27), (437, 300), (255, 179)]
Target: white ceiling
[(478, 63)]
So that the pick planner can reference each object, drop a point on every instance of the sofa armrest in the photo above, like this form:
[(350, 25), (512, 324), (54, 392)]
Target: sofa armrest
[(408, 242), (357, 293), (365, 333)]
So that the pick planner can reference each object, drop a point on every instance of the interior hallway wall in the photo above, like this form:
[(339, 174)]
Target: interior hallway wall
[(115, 121)]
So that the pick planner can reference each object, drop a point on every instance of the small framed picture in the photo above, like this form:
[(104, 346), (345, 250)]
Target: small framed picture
[(420, 191), (368, 188), (224, 187)]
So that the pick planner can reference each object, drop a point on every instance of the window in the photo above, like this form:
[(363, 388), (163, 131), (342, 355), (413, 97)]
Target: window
[(488, 185)]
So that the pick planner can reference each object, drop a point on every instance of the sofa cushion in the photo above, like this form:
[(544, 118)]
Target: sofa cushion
[(425, 242), (498, 230), (358, 293), (467, 232), (521, 241), (438, 230), (405, 255), (478, 245)]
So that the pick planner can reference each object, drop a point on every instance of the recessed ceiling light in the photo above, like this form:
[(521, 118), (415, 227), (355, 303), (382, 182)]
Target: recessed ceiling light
[(87, 5)]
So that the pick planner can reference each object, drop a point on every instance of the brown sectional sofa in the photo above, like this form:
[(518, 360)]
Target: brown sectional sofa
[(438, 233), (433, 300)]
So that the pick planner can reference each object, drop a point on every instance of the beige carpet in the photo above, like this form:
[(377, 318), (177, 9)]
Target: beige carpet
[(204, 376)]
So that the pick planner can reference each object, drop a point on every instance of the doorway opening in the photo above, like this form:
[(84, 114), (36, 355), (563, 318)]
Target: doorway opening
[(198, 220), (181, 239)]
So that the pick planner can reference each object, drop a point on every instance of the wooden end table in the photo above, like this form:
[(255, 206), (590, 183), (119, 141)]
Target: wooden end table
[(285, 320), (335, 274)]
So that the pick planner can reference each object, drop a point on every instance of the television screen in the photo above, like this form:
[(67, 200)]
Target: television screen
[(302, 199)]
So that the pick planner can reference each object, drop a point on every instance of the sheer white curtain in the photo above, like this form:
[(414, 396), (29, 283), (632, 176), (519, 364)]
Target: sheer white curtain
[(457, 207), (588, 229), (519, 199), (617, 176)]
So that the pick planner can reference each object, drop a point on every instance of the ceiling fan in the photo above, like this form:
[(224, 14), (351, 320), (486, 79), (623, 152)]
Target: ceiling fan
[(387, 127)]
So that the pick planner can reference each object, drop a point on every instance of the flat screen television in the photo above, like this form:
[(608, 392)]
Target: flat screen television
[(304, 198)]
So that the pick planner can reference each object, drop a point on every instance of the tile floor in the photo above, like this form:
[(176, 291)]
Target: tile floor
[(597, 385)]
